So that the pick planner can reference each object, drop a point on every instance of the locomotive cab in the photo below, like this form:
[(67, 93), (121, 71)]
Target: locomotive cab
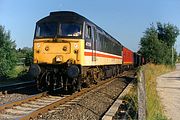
[(58, 45)]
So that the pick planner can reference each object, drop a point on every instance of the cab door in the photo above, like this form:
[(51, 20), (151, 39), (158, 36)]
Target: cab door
[(94, 41), (90, 39)]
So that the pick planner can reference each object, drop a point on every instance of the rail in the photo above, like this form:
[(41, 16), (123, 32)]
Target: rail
[(9, 88)]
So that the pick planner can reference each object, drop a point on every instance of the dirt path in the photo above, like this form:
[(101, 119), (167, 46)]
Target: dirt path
[(168, 87)]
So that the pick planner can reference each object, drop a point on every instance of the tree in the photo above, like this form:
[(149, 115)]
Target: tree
[(157, 43), (29, 57), (8, 57), (26, 54), (167, 33)]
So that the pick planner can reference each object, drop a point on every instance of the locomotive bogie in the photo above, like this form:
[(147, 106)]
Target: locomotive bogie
[(94, 74)]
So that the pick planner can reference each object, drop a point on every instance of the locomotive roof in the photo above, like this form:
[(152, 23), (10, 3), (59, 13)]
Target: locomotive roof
[(69, 16), (63, 16)]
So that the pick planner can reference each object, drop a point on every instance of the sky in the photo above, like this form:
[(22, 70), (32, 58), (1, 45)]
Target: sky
[(125, 20)]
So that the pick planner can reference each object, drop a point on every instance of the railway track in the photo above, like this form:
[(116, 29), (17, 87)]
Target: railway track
[(36, 105), (14, 87), (92, 105)]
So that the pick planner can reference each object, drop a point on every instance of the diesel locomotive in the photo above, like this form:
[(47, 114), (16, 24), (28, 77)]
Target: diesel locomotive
[(70, 51)]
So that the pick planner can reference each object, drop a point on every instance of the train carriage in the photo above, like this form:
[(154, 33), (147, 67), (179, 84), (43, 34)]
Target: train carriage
[(138, 59), (128, 58), (70, 50)]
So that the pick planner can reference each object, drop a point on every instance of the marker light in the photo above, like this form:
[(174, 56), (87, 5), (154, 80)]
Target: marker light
[(47, 48), (64, 48)]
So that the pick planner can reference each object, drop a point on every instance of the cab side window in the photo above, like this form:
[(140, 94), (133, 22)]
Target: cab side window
[(88, 32)]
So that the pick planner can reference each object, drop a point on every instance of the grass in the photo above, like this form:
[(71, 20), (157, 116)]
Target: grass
[(17, 71), (154, 106), (132, 102), (15, 75), (129, 105)]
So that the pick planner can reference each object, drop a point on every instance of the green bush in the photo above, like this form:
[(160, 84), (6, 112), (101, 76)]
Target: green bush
[(157, 44), (28, 58), (25, 56), (8, 57)]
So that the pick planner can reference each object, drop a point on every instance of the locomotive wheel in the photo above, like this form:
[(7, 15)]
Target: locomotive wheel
[(49, 85), (76, 86), (40, 83), (71, 89)]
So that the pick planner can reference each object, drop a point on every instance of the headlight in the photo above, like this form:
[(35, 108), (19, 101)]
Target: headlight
[(59, 58), (73, 71)]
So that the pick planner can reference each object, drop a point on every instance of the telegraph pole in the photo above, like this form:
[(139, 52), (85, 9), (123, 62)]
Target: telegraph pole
[(172, 55)]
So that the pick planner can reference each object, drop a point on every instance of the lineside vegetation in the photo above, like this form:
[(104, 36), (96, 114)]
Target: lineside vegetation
[(10, 57), (153, 104), (157, 47), (157, 44), (132, 102), (7, 52)]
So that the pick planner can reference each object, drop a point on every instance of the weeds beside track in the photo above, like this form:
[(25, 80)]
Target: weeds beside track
[(153, 104)]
